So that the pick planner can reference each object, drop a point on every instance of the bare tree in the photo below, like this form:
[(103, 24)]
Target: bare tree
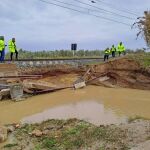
[(143, 24)]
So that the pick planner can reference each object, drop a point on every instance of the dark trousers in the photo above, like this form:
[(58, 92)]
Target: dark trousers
[(106, 57), (119, 53), (11, 55), (2, 55), (113, 53)]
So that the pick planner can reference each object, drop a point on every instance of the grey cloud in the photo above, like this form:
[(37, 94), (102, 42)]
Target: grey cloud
[(37, 25)]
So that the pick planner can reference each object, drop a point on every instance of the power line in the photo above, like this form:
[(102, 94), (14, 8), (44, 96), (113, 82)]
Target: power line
[(114, 7), (101, 17), (88, 9), (104, 10), (70, 4)]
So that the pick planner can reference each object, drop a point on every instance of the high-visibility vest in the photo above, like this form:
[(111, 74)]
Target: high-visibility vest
[(107, 51), (12, 46), (2, 45), (121, 48), (113, 49)]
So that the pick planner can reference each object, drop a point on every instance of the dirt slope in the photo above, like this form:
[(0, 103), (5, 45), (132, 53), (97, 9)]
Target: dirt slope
[(125, 73)]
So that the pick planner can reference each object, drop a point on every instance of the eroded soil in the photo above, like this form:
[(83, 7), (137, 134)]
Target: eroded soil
[(123, 72)]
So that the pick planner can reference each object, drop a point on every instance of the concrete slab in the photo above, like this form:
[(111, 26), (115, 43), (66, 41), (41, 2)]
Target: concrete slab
[(16, 92)]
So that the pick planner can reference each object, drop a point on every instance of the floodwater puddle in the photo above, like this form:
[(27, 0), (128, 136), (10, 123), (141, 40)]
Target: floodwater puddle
[(95, 104), (90, 111)]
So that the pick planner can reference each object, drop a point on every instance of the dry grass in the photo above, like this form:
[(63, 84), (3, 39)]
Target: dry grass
[(143, 24)]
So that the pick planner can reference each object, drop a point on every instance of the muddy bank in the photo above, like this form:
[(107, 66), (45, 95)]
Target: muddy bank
[(74, 134)]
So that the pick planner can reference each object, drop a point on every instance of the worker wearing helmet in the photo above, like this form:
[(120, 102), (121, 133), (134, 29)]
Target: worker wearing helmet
[(13, 48)]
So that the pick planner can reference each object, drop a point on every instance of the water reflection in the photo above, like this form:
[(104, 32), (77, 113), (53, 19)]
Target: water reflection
[(90, 111)]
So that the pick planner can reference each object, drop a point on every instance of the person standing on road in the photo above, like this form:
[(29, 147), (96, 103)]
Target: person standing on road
[(113, 51), (106, 55), (2, 48), (121, 48), (13, 48)]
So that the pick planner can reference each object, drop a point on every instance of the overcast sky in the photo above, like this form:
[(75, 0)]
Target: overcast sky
[(40, 26)]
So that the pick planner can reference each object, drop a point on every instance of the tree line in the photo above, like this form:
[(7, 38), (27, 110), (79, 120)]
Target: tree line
[(24, 54)]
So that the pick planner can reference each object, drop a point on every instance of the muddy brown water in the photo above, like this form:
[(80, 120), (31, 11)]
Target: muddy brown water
[(95, 104)]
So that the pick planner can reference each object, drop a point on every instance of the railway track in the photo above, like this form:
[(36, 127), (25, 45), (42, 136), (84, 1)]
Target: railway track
[(54, 61), (57, 59)]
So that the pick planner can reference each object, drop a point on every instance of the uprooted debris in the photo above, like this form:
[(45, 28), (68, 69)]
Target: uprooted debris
[(89, 77)]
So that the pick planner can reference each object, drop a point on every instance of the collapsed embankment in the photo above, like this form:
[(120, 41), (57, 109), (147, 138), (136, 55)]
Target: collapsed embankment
[(122, 72), (126, 73)]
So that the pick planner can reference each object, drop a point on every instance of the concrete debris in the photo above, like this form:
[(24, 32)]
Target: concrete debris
[(80, 83), (34, 85), (89, 77), (16, 91), (4, 93)]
